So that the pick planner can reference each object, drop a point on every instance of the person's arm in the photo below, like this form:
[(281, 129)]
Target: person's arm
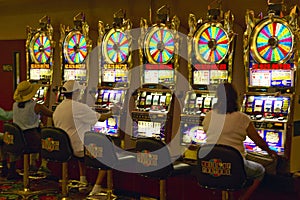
[(39, 108), (104, 116), (6, 115), (258, 140)]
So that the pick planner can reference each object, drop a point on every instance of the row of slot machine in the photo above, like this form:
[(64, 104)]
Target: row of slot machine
[(271, 98), (74, 45), (152, 99), (270, 58)]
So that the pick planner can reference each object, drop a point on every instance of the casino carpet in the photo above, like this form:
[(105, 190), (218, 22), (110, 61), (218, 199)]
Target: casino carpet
[(9, 191)]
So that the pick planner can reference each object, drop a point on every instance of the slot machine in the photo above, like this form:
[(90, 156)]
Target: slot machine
[(114, 79), (271, 60), (154, 100), (210, 58), (75, 46), (39, 58)]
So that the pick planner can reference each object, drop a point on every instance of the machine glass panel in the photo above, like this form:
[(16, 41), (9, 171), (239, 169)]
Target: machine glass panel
[(159, 45)]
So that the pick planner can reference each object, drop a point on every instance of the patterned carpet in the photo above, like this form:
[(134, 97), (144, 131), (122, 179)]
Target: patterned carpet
[(13, 190)]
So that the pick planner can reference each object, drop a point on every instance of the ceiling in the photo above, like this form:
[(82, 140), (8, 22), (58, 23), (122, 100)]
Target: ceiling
[(20, 14)]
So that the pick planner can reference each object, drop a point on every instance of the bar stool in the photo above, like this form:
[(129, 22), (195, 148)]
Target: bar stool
[(14, 143), (221, 167), (100, 153), (154, 161), (56, 147)]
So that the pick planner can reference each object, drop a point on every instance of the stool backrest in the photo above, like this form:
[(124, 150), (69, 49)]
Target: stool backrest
[(153, 158), (14, 141), (220, 167), (99, 151), (56, 145)]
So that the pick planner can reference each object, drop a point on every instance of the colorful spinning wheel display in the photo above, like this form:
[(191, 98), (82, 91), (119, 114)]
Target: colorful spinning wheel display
[(40, 48), (159, 45), (272, 41), (75, 47), (116, 46), (211, 43)]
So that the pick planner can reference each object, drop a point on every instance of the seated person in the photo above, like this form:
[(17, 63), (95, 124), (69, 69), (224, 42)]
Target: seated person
[(26, 114), (76, 118), (225, 124)]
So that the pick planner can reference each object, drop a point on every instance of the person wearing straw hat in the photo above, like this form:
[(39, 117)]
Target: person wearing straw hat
[(76, 118), (26, 114)]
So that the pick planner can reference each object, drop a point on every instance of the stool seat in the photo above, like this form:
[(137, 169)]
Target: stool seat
[(15, 143), (100, 153), (56, 147), (154, 161), (220, 167)]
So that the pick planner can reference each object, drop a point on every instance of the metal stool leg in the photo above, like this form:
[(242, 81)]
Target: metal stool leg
[(64, 181), (225, 195), (162, 189), (110, 195), (26, 173)]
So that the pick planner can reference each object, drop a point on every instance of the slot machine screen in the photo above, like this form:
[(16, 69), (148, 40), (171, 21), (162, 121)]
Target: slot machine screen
[(276, 106), (106, 96), (192, 134), (271, 78), (75, 74), (274, 139), (159, 74), (197, 103), (207, 77), (207, 74), (114, 73), (271, 75), (41, 94), (143, 129), (107, 127), (250, 146), (39, 74)]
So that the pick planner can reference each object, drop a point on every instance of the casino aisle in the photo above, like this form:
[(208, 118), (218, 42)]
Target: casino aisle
[(138, 188)]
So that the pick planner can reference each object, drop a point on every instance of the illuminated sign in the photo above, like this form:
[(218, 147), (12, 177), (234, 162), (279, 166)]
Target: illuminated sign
[(215, 167), (210, 66), (40, 66), (158, 67), (271, 66), (75, 66), (115, 66)]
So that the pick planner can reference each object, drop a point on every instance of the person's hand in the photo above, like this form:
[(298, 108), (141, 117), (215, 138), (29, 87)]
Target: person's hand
[(273, 154), (115, 108)]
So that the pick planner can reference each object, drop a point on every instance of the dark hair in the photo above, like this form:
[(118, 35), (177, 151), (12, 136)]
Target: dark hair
[(227, 99), (68, 95), (22, 104)]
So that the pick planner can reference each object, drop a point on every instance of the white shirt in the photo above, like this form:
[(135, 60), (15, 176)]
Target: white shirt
[(26, 118), (75, 119), (228, 129)]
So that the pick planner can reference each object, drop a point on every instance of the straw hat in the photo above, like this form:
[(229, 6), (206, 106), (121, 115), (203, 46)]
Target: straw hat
[(25, 91)]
